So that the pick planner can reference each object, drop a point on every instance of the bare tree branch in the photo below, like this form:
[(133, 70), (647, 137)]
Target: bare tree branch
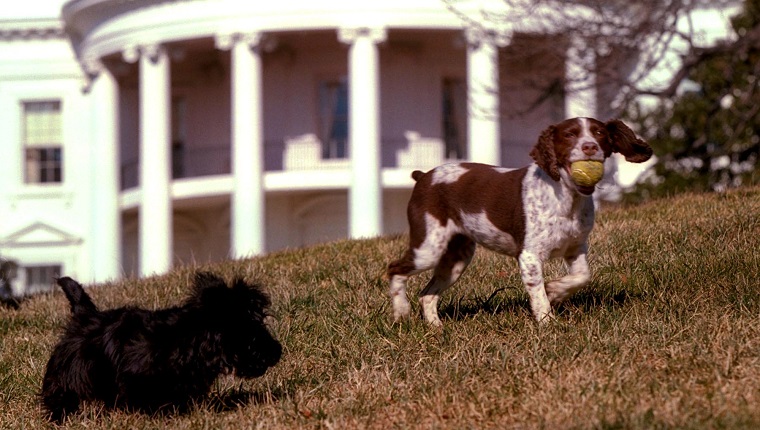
[(642, 32)]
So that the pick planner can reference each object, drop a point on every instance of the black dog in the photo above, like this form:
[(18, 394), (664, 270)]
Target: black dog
[(136, 359)]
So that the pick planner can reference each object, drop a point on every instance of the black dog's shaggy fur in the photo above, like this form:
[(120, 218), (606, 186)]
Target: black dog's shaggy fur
[(136, 359)]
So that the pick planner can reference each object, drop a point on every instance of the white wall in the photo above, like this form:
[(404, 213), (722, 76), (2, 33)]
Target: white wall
[(44, 224)]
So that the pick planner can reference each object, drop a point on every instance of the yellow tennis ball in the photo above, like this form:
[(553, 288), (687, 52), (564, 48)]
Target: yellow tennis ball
[(587, 173)]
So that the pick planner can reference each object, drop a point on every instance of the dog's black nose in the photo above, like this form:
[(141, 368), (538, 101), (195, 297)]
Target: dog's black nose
[(266, 355), (276, 353)]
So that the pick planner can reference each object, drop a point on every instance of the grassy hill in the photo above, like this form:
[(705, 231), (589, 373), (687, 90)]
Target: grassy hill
[(666, 335)]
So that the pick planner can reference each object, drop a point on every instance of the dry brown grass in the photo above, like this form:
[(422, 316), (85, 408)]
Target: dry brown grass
[(666, 335)]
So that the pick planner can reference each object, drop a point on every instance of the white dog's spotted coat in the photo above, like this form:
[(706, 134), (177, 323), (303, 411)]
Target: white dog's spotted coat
[(448, 174), (533, 214)]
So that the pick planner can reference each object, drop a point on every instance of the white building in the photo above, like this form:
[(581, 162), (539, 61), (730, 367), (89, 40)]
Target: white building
[(145, 133)]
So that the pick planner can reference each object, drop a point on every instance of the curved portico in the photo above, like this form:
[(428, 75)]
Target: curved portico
[(235, 109)]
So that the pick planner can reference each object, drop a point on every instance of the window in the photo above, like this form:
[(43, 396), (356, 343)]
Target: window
[(43, 137), (454, 116), (179, 136), (43, 165), (333, 117), (41, 278)]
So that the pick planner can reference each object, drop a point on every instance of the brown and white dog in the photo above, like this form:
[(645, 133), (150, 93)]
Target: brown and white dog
[(533, 214)]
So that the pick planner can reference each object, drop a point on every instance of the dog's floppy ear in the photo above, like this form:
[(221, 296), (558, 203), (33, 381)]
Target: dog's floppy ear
[(544, 155), (80, 302), (208, 288), (252, 295), (624, 141), (205, 280)]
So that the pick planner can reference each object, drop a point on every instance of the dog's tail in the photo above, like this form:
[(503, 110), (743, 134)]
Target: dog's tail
[(79, 300), (417, 174)]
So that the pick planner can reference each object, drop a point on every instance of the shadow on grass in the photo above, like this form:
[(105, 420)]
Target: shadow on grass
[(467, 307), (235, 399), (590, 301), (226, 401), (587, 301)]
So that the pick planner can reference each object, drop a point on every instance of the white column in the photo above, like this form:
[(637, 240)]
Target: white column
[(580, 78), (484, 139), (365, 195), (156, 235), (248, 232), (105, 245), (581, 101)]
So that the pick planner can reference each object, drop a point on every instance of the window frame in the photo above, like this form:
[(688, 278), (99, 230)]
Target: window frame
[(42, 162), (48, 271), (338, 150), (454, 114)]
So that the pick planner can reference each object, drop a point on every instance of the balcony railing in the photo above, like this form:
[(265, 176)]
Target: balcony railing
[(186, 163), (292, 154)]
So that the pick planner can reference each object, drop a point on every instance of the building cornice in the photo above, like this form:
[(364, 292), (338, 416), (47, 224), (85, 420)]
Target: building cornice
[(26, 29), (99, 28), (81, 16)]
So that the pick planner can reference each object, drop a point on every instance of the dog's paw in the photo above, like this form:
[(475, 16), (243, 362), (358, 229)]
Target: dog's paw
[(434, 322), (555, 294), (429, 308), (546, 318), (401, 308)]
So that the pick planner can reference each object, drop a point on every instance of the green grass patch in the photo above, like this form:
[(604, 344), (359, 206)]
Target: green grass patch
[(666, 335)]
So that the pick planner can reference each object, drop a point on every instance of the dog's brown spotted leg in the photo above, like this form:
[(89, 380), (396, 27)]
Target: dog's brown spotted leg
[(398, 273), (429, 241), (532, 272), (578, 275), (450, 267)]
